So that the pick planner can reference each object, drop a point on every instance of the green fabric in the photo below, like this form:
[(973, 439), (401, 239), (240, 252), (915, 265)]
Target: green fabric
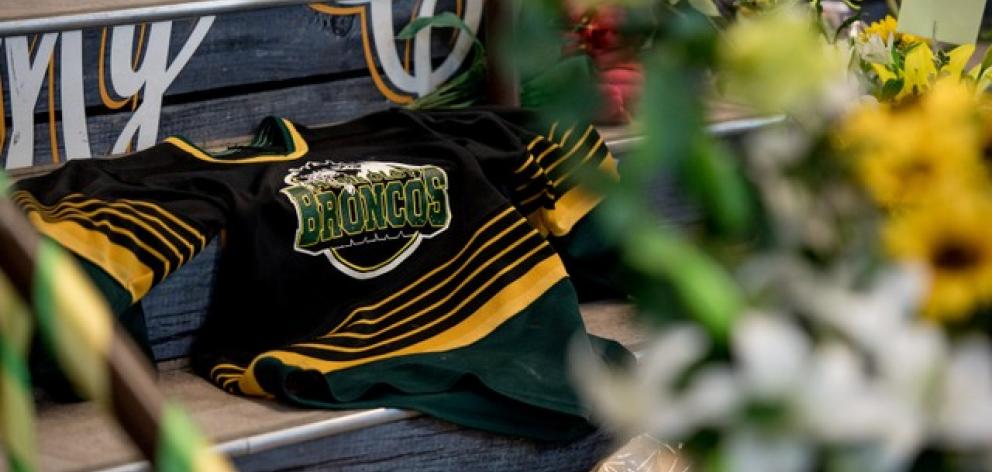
[(178, 441), (45, 370), (513, 381), (118, 298), (592, 260)]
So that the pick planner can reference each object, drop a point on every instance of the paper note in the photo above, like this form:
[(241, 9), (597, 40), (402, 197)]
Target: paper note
[(949, 21)]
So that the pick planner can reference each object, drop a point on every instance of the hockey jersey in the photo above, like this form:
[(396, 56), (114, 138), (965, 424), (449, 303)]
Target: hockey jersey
[(404, 259)]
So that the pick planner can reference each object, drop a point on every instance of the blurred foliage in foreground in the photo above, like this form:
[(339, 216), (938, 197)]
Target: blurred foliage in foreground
[(829, 309)]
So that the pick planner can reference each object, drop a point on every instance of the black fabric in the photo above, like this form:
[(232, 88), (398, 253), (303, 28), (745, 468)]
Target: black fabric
[(404, 258)]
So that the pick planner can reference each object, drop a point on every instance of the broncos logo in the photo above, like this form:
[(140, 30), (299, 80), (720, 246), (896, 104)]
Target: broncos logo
[(401, 84), (366, 217)]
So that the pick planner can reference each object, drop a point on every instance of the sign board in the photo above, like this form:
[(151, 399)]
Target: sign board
[(949, 21), (78, 94)]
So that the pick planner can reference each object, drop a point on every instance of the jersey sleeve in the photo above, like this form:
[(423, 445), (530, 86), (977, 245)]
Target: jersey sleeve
[(541, 169), (137, 218)]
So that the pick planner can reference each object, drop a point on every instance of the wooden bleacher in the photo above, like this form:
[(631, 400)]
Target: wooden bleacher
[(264, 435)]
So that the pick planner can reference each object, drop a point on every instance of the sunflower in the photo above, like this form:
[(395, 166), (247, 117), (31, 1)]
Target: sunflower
[(948, 237), (901, 153), (886, 30)]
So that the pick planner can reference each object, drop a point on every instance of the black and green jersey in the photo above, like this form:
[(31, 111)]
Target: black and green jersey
[(402, 259)]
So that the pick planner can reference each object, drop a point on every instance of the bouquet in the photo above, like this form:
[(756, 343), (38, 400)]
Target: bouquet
[(829, 308)]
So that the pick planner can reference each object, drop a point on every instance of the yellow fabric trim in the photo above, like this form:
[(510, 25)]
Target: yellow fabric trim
[(575, 148), (547, 151), (64, 208), (503, 306), (299, 148), (579, 165), (359, 268), (130, 204), (530, 158), (169, 215), (572, 206), (451, 293), (121, 264), (424, 277), (433, 322), (565, 136), (122, 231), (227, 366), (534, 142), (537, 172), (551, 132), (543, 192), (433, 289)]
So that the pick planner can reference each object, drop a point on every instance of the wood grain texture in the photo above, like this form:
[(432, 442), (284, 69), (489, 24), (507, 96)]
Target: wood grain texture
[(21, 9), (210, 120), (257, 49), (79, 436), (426, 444)]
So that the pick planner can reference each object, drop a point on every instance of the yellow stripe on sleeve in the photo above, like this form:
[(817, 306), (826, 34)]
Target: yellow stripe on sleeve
[(121, 264), (572, 206)]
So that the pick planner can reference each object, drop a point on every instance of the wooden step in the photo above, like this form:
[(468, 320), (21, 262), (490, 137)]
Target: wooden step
[(265, 435)]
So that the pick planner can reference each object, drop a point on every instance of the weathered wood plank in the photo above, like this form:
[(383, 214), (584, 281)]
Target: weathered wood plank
[(427, 444), (247, 53), (209, 120), (242, 48), (252, 47), (19, 9), (176, 308)]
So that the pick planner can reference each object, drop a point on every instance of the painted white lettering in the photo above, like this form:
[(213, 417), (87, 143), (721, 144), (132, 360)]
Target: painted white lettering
[(25, 77), (155, 74), (77, 140)]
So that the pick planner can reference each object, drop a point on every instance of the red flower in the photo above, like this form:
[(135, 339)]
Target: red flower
[(597, 34)]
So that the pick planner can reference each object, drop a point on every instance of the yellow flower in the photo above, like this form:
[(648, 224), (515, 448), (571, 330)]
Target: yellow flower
[(948, 237), (957, 60), (908, 39), (901, 153), (886, 29), (919, 70)]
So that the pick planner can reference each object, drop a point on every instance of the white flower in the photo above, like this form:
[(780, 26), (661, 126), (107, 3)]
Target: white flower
[(748, 450), (875, 50), (964, 419), (773, 355)]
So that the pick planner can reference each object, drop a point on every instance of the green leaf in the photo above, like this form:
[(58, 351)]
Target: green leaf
[(706, 291), (986, 61), (891, 89), (443, 20), (463, 89), (716, 181)]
